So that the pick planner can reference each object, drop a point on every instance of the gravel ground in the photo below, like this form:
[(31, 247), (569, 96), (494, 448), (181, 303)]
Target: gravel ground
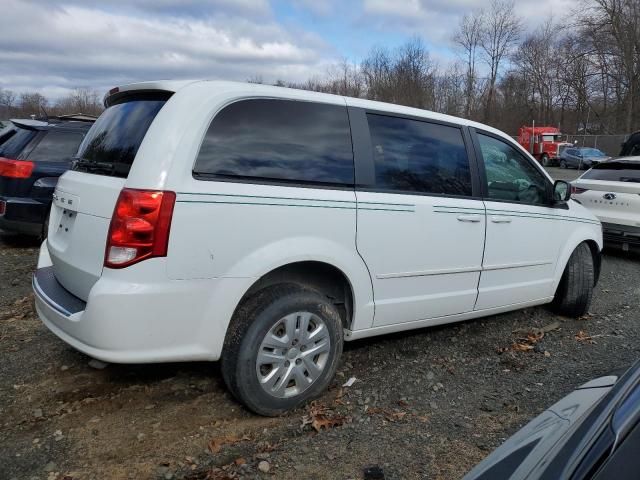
[(425, 404)]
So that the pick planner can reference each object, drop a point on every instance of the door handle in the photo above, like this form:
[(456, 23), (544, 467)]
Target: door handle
[(501, 219), (469, 218)]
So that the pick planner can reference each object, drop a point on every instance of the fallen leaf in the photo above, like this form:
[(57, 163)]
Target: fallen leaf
[(547, 353), (583, 336), (320, 417), (216, 444), (521, 347), (552, 326)]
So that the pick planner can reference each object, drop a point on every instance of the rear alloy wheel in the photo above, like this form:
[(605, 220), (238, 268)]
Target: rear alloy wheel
[(282, 349), (544, 160), (575, 291)]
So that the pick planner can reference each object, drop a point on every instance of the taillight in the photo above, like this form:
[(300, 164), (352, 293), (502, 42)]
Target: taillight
[(15, 168), (139, 227), (578, 190)]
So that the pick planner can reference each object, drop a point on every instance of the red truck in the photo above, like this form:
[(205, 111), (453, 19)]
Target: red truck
[(544, 143)]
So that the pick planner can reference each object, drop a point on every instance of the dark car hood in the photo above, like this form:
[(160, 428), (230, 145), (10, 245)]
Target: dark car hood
[(527, 453)]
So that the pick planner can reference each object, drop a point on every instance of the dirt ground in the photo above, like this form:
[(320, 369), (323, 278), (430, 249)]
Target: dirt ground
[(425, 404)]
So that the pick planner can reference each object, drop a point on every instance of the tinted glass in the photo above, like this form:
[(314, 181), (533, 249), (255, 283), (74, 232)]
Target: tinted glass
[(56, 147), (591, 152), (416, 156), (617, 171), (111, 144), (511, 176), (14, 141), (280, 140)]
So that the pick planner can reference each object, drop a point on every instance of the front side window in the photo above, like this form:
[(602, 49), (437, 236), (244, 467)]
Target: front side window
[(56, 147), (282, 140), (510, 176), (417, 156)]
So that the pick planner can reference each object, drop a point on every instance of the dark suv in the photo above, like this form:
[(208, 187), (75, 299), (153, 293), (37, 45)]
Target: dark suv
[(33, 154)]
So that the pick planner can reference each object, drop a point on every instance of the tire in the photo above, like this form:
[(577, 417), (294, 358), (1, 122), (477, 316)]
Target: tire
[(575, 291), (544, 160), (274, 316), (563, 164), (45, 226)]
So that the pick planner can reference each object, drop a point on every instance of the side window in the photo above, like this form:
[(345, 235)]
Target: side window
[(56, 147), (418, 156), (280, 140), (510, 176)]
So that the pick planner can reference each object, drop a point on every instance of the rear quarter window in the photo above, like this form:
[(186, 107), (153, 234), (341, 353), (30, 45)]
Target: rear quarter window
[(282, 140), (14, 141)]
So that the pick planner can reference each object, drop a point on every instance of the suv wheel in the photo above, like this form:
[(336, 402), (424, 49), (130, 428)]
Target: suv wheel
[(563, 164), (45, 226), (282, 349), (575, 290)]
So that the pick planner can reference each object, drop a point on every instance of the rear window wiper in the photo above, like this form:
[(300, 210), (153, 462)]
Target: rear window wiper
[(92, 166)]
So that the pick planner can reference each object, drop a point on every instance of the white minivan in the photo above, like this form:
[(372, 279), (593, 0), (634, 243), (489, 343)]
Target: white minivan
[(263, 226)]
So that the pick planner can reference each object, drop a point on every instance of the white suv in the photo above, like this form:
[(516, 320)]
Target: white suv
[(264, 226), (611, 190)]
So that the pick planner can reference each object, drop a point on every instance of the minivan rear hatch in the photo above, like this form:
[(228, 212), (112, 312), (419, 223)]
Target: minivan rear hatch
[(85, 197)]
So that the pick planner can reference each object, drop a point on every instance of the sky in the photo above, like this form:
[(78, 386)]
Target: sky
[(53, 46)]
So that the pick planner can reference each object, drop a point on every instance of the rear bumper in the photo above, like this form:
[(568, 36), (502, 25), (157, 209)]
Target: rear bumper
[(621, 234), (129, 322), (23, 215)]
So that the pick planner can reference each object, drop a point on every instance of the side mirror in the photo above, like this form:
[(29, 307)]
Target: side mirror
[(561, 191)]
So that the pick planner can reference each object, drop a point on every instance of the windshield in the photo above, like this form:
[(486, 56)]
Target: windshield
[(111, 144), (591, 152), (616, 171), (13, 140)]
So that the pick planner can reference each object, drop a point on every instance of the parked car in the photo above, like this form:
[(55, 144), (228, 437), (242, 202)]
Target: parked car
[(229, 216), (33, 154), (611, 190), (592, 433), (581, 157)]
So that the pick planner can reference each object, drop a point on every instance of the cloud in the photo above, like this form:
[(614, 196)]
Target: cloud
[(72, 45), (55, 45), (437, 20)]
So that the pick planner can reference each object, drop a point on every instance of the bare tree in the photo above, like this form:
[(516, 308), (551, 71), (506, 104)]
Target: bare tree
[(33, 103), (538, 60), (501, 30), (613, 26), (7, 103), (468, 37), (80, 100)]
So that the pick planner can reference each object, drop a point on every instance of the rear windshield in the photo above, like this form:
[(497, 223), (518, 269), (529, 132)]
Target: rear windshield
[(14, 140), (56, 147), (113, 141), (618, 171)]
